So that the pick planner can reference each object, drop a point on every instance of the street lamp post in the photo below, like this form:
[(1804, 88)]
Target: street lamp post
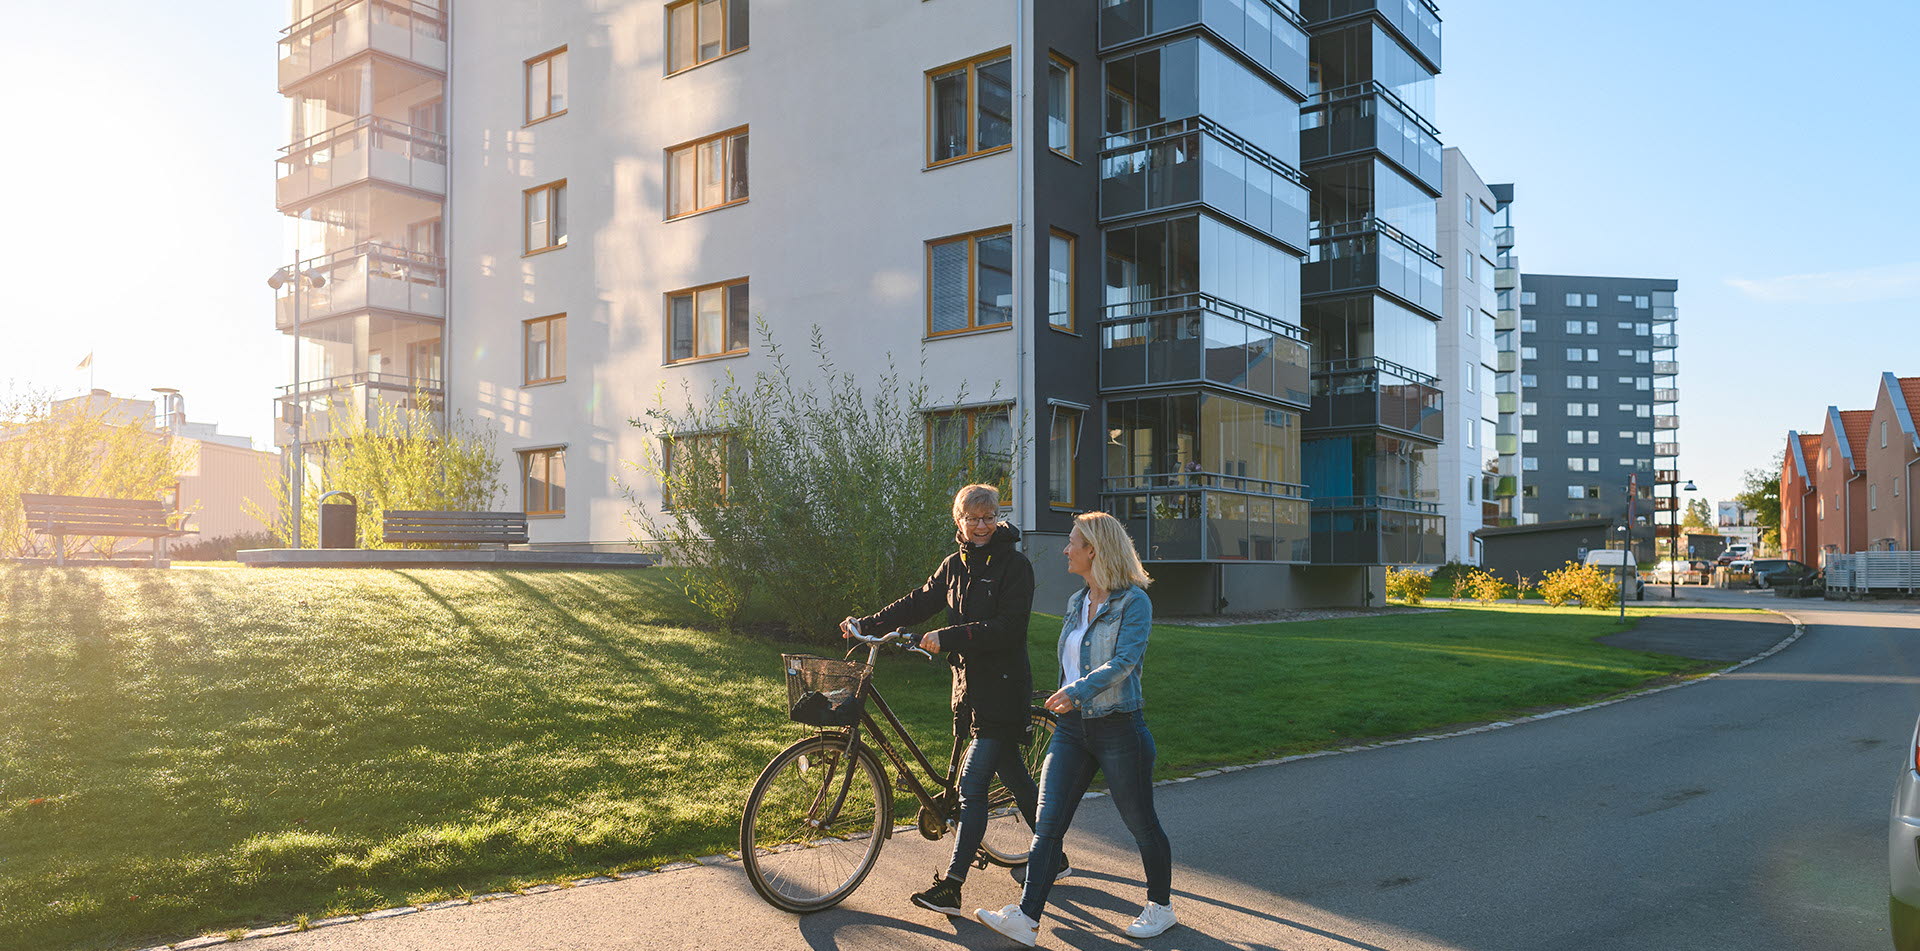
[(1626, 529), (300, 280), (1673, 539)]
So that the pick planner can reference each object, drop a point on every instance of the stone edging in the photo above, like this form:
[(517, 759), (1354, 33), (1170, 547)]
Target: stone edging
[(207, 941)]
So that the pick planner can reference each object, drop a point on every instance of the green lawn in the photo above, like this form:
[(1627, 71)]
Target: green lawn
[(192, 751)]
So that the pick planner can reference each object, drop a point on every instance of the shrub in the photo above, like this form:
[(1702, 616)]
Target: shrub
[(1481, 585), (1448, 580), (1523, 586), (1407, 585), (1588, 585)]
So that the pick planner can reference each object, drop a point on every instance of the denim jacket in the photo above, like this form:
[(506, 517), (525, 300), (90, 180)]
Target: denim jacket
[(1111, 652)]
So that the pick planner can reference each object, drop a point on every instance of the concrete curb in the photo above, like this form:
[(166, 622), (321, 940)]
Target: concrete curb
[(205, 941)]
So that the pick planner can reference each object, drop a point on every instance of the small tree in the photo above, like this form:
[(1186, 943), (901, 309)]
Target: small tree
[(76, 447), (1405, 584), (817, 501), (400, 458), (1587, 585), (1699, 518), (1760, 495), (1481, 585)]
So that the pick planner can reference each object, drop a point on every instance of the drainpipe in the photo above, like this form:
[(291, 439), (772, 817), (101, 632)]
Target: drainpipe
[(1908, 541), (1850, 481), (1023, 252), (1806, 553)]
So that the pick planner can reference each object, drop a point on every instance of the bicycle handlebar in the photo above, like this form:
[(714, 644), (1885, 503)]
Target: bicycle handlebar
[(894, 638)]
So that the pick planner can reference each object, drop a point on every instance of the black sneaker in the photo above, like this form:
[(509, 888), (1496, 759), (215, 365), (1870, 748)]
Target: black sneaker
[(1066, 869), (943, 897)]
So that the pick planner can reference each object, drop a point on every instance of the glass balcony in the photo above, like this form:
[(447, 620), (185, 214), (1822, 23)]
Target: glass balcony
[(330, 405), (1507, 362), (1271, 34), (1507, 403), (367, 277), (1198, 338), (365, 149), (1196, 162), (1506, 320), (1666, 422), (1666, 368), (1417, 21), (1666, 503), (1665, 476), (1377, 530), (1210, 517), (1666, 449), (1506, 486), (1370, 392), (1370, 253), (1668, 395), (1503, 236), (1666, 341), (1506, 444), (412, 31), (1369, 116), (1507, 278)]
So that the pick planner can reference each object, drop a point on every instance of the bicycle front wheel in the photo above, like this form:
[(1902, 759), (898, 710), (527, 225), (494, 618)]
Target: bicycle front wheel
[(1008, 837), (803, 845)]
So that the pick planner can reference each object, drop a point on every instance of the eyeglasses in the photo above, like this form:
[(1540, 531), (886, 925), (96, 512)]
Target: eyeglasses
[(979, 519)]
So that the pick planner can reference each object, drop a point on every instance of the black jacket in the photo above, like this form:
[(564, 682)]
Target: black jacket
[(988, 593)]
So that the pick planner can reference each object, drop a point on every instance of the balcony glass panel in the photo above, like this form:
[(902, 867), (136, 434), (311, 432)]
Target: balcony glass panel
[(1271, 34), (1173, 517), (1666, 449), (1666, 368), (1376, 531), (1666, 396), (1666, 422), (1665, 341), (1195, 338), (1373, 392), (366, 277), (1195, 161), (1417, 21), (1373, 254), (329, 405), (1366, 116), (415, 32), (1506, 320), (368, 148)]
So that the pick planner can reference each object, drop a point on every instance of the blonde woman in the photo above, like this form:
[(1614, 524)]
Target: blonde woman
[(1102, 728), (986, 588)]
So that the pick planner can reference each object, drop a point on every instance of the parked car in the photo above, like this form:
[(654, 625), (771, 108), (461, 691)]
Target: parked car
[(1621, 562), (1903, 844), (1699, 571), (1736, 553), (1768, 572)]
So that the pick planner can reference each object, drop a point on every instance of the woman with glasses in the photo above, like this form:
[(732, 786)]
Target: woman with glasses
[(986, 588), (1103, 641)]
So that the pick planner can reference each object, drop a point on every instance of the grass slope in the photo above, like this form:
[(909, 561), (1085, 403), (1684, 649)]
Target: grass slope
[(197, 750)]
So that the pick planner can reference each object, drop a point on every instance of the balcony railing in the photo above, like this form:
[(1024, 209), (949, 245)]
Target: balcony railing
[(1199, 338), (1506, 278), (1417, 21), (1666, 449), (1370, 253), (329, 405), (1666, 395), (1506, 444), (1666, 341), (1666, 368), (1370, 392), (1665, 503), (1377, 530), (1271, 34), (413, 31), (1506, 320), (368, 148), (367, 277), (1210, 517), (1506, 486), (1507, 361), (1507, 403), (1503, 236), (1665, 476), (1367, 116), (1666, 422), (1195, 161)]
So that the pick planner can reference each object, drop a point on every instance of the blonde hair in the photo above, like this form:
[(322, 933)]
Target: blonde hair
[(1115, 563), (976, 496)]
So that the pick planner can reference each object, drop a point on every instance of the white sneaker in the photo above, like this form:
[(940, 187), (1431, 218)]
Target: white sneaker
[(1015, 924), (1154, 919)]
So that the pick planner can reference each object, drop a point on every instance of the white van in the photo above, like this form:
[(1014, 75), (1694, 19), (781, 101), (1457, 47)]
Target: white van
[(1620, 562)]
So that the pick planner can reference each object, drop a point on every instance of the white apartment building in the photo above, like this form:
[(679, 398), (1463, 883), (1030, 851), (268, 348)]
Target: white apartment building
[(1469, 457)]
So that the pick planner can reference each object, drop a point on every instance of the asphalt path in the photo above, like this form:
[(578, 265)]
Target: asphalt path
[(1745, 812)]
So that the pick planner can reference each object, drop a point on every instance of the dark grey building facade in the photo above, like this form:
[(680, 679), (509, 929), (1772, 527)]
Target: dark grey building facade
[(1599, 391)]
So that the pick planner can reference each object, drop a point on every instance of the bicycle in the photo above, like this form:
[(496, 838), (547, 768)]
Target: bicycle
[(818, 815)]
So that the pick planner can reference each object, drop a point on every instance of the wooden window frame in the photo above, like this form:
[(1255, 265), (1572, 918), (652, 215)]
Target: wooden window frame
[(1055, 408), (1073, 88), (526, 73), (666, 462), (526, 342), (973, 281), (726, 27), (972, 66), (972, 415), (1073, 261), (694, 292), (548, 453), (526, 217), (726, 153)]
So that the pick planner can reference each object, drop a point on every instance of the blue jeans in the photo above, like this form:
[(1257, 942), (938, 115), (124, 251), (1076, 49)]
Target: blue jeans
[(1120, 748), (984, 758)]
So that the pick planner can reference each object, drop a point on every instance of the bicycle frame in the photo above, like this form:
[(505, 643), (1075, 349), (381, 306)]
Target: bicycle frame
[(930, 800)]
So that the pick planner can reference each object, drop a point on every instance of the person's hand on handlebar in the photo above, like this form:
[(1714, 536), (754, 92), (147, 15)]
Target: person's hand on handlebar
[(848, 627), (930, 642)]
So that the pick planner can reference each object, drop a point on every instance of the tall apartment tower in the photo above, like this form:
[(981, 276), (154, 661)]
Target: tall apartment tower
[(1509, 330), (1371, 294), (1600, 378), (1086, 222), (363, 182), (1469, 459)]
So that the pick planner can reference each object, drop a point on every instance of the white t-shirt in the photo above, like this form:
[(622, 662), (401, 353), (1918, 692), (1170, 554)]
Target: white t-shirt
[(1070, 669)]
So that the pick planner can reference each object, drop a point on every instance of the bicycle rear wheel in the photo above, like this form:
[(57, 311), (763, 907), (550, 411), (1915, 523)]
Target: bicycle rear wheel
[(1008, 836), (798, 852)]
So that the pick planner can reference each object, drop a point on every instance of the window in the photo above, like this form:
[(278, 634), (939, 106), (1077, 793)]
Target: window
[(1873, 496), (1593, 409), (1471, 443), (1529, 435), (1529, 380), (1063, 456), (1528, 325), (970, 282), (1576, 492), (1593, 437), (707, 173), (1593, 300), (970, 108), (701, 31), (1575, 409), (1640, 302), (1896, 487), (543, 481), (1529, 409), (1626, 463), (1642, 330), (1624, 299), (1593, 465), (1625, 325), (546, 349), (546, 85), (1593, 326), (1883, 434), (1643, 410), (1529, 353), (708, 321), (1642, 356), (701, 465), (1575, 381), (1528, 298), (1643, 383), (983, 437), (1627, 434), (1644, 439), (1593, 383), (1624, 407), (1624, 353), (1060, 280), (1060, 105), (1573, 326), (1593, 355), (1573, 300), (1576, 437), (1530, 464), (1573, 354), (546, 216)]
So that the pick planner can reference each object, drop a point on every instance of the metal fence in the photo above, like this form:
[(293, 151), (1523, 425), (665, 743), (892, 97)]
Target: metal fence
[(1874, 571)]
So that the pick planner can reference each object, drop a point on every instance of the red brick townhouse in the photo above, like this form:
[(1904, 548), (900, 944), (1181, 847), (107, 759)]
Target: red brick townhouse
[(1893, 450), (1841, 503), (1799, 530)]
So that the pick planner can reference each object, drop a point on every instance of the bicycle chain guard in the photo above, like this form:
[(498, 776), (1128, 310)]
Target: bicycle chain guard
[(932, 824)]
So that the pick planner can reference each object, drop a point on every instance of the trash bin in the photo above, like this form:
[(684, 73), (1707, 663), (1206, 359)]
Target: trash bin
[(339, 521)]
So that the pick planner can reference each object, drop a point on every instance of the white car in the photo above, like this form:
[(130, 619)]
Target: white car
[(1903, 853)]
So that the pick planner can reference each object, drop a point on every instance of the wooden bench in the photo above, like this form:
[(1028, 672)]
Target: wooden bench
[(63, 515), (502, 528)]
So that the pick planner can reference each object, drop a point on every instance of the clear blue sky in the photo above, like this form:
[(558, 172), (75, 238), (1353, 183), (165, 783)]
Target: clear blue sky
[(1761, 153)]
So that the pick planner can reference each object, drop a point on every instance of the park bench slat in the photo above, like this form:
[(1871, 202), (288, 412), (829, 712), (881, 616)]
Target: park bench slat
[(63, 515), (409, 525)]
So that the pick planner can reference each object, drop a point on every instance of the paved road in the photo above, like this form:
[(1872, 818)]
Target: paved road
[(1747, 812)]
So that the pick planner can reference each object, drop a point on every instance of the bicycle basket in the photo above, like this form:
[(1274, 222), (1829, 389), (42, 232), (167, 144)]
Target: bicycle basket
[(822, 691)]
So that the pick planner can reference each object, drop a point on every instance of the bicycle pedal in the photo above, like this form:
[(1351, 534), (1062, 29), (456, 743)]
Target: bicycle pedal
[(980, 859)]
